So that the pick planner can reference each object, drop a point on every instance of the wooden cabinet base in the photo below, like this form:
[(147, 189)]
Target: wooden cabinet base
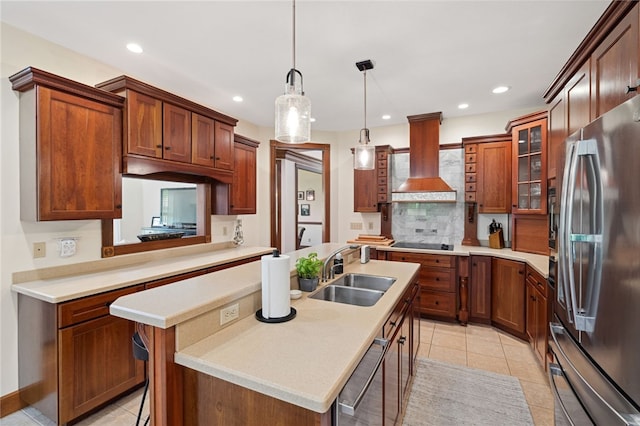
[(210, 401)]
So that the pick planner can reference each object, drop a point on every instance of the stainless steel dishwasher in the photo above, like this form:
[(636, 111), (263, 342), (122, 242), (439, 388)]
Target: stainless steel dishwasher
[(360, 401)]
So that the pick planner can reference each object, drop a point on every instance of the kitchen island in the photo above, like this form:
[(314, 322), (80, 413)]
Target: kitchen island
[(303, 363)]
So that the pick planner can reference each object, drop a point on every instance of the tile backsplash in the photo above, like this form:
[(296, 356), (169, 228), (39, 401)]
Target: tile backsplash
[(430, 222)]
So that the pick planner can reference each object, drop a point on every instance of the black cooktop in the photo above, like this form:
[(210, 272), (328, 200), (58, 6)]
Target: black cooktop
[(423, 246)]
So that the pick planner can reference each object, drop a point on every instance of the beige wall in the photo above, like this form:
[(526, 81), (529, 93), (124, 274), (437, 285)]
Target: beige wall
[(19, 50)]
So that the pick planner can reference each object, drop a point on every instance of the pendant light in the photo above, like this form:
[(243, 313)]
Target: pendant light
[(293, 109), (364, 155)]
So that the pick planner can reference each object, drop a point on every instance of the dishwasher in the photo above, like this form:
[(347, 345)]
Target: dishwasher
[(360, 400)]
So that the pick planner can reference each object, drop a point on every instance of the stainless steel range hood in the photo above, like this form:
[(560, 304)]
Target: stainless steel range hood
[(424, 183)]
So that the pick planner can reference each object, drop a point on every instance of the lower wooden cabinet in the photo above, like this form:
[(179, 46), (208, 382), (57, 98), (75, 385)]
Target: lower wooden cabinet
[(438, 289), (508, 295), (480, 289), (536, 318)]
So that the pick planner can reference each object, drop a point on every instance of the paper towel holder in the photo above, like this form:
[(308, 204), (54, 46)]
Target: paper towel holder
[(285, 318)]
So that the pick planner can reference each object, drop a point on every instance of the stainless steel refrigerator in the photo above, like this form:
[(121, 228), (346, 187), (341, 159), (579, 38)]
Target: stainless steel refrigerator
[(595, 331)]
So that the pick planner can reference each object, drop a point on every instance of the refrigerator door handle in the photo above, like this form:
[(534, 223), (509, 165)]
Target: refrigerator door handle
[(585, 310), (566, 253)]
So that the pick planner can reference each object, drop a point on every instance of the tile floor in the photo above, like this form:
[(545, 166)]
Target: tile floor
[(476, 346)]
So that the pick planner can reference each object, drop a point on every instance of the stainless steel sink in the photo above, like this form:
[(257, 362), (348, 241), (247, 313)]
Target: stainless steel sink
[(347, 295), (371, 282)]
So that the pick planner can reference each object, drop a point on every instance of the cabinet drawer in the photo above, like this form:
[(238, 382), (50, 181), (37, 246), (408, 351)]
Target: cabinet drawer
[(470, 187), (382, 172), (428, 260), (470, 196), (383, 198), (470, 177), (470, 149), (382, 164), (537, 281), (470, 168), (382, 189), (438, 303), (470, 158), (382, 180), (439, 279), (399, 311), (381, 155), (90, 307)]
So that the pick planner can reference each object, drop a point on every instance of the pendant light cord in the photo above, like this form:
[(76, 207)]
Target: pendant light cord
[(365, 99), (294, 34)]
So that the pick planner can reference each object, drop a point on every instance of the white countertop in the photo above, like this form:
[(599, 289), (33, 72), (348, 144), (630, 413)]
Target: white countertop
[(62, 289), (305, 361)]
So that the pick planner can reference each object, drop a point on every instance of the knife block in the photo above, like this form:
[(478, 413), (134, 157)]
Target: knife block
[(496, 240)]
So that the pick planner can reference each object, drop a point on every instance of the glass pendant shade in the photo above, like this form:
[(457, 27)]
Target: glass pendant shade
[(364, 154), (293, 115)]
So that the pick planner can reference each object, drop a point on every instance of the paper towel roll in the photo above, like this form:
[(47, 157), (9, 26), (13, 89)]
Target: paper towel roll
[(275, 286)]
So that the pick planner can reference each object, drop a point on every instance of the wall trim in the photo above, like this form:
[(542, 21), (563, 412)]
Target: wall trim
[(11, 403)]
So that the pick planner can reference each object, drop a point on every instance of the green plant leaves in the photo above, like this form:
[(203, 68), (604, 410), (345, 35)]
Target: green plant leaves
[(309, 267)]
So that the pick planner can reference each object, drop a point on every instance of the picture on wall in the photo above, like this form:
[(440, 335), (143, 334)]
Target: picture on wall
[(300, 195), (305, 210)]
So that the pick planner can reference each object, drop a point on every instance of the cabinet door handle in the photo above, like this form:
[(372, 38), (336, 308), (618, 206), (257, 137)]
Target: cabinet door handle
[(437, 278), (402, 340), (437, 303), (158, 146), (521, 272), (167, 148)]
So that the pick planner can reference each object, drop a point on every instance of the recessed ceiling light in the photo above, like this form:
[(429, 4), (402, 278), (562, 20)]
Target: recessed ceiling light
[(313, 120), (463, 106), (386, 117), (134, 47), (237, 99), (501, 89)]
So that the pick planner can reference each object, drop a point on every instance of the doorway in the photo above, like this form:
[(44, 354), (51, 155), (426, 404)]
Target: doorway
[(299, 178)]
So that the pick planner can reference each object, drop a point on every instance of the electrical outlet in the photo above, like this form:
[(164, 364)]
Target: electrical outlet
[(356, 225), (39, 250), (224, 230), (370, 225), (67, 247), (229, 313)]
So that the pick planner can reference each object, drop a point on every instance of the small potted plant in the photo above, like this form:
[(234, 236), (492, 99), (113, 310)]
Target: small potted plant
[(308, 271)]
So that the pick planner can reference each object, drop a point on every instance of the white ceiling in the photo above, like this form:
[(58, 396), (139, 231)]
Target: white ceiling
[(429, 55)]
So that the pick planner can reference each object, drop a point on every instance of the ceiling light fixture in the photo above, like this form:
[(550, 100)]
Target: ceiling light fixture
[(293, 109), (501, 89), (463, 106), (364, 154), (237, 98), (386, 117), (134, 47)]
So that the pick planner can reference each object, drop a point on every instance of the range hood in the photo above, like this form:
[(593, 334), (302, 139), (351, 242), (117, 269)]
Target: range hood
[(424, 183)]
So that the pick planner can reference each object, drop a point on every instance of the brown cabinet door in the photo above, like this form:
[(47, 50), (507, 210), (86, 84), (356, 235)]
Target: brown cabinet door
[(78, 158), (529, 182), (531, 320), (392, 382), (223, 152), (480, 288), (202, 140), (176, 134), (614, 66), (493, 188), (508, 295), (365, 191), (96, 364), (404, 343), (243, 188), (144, 125)]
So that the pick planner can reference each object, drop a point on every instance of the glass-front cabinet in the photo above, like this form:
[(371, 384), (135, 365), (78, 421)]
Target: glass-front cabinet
[(529, 190)]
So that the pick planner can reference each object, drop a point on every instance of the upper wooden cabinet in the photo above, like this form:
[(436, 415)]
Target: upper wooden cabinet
[(529, 153), (494, 177), (595, 78), (240, 196), (373, 187), (70, 149), (169, 134)]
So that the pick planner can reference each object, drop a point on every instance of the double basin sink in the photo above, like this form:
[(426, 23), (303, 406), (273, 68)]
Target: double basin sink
[(355, 289)]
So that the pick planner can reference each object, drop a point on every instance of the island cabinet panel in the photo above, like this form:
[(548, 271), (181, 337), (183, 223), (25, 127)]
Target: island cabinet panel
[(70, 149), (480, 289), (437, 277), (508, 295)]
